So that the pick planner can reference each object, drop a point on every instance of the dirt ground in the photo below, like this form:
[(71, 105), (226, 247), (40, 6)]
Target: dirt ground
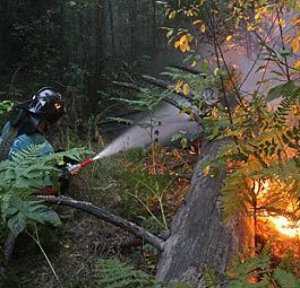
[(73, 251)]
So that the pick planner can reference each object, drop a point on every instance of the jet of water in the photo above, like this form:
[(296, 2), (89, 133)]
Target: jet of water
[(160, 127)]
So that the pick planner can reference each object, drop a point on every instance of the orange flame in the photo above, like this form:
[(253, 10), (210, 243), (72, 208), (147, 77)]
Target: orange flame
[(282, 224), (285, 226)]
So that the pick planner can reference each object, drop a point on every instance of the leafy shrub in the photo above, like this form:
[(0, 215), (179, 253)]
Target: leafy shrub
[(115, 274), (23, 176), (259, 271)]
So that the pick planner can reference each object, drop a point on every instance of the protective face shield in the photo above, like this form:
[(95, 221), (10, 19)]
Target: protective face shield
[(46, 106)]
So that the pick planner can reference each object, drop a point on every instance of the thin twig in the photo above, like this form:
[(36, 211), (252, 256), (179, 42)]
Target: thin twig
[(38, 243), (283, 45)]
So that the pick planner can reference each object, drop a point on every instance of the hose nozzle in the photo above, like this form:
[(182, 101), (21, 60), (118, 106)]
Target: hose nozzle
[(73, 169)]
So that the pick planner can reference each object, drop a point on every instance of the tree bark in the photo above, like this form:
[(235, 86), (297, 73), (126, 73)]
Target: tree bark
[(154, 25), (199, 240), (99, 34), (112, 27), (133, 10)]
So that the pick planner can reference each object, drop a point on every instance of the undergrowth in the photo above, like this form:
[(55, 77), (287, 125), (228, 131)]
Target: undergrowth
[(114, 274), (22, 177), (260, 271), (143, 188)]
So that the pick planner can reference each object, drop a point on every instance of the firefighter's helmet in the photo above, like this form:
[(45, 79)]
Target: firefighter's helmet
[(46, 105)]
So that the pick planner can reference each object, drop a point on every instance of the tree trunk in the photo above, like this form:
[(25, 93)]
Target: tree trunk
[(112, 28), (154, 26), (200, 241), (133, 10)]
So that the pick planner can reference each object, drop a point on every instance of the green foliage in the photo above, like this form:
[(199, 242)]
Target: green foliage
[(18, 213), (269, 150), (180, 138), (281, 90), (34, 39), (210, 278), (115, 274), (5, 106), (21, 178), (146, 100), (142, 190), (197, 83), (259, 272)]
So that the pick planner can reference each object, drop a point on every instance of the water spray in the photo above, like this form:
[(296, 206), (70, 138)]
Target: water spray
[(160, 126)]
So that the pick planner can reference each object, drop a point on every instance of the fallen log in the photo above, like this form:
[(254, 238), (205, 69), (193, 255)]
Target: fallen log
[(199, 240), (107, 216)]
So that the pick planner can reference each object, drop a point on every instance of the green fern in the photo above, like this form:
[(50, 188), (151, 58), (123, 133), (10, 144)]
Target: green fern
[(21, 177), (114, 274), (111, 273)]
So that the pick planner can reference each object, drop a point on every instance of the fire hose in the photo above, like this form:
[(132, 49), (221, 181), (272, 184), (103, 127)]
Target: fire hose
[(75, 168), (70, 169)]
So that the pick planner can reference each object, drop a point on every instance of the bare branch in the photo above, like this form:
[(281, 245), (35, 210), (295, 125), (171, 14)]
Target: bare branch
[(188, 69), (107, 216), (165, 85), (128, 85)]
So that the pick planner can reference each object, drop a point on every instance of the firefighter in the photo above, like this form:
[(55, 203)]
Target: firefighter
[(29, 123)]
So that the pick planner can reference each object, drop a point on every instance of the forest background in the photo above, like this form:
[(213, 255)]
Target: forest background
[(92, 51)]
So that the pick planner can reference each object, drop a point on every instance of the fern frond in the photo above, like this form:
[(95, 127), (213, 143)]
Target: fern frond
[(25, 174), (114, 274)]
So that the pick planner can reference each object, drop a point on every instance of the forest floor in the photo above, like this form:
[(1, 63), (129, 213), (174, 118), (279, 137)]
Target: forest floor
[(75, 248), (73, 251)]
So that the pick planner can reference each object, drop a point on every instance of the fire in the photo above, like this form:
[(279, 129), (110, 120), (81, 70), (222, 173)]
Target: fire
[(285, 226)]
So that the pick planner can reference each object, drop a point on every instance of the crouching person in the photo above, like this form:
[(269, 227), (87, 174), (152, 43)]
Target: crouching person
[(28, 125)]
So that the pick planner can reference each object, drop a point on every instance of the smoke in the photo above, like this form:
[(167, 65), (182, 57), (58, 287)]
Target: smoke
[(160, 127), (250, 58), (245, 55)]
